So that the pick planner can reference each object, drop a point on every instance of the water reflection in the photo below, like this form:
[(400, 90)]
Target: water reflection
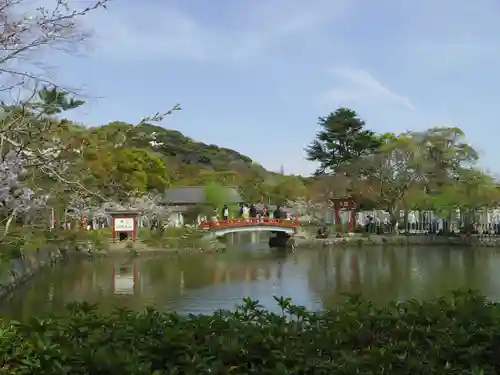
[(203, 283), (399, 274), (124, 279)]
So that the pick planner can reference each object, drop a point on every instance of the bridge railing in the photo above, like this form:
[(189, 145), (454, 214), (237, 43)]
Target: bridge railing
[(237, 222)]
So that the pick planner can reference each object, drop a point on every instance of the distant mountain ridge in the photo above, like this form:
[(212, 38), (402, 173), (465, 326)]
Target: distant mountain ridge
[(174, 144)]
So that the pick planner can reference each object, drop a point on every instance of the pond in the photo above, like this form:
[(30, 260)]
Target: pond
[(201, 283)]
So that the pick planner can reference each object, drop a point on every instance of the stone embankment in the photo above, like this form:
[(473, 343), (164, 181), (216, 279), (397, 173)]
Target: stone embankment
[(402, 240), (16, 271)]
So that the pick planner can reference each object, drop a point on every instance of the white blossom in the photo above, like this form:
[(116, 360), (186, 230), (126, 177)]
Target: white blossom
[(14, 195)]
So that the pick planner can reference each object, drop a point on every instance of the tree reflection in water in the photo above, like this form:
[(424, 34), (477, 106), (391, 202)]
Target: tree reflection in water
[(383, 274)]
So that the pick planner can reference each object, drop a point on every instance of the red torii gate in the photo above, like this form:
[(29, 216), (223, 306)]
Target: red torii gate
[(345, 203)]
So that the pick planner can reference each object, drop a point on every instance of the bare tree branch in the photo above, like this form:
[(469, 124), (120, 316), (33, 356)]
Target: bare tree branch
[(26, 29)]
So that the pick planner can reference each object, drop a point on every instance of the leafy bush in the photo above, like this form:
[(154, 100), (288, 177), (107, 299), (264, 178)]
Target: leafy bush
[(460, 335), (98, 239), (20, 241)]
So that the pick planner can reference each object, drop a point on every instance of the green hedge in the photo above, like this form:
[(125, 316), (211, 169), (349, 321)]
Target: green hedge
[(455, 336)]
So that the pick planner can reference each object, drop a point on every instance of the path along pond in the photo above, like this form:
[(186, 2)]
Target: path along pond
[(201, 283)]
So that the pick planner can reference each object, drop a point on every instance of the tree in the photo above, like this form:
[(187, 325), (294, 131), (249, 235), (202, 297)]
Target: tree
[(387, 176), (45, 160), (228, 177), (30, 30), (215, 195), (53, 101), (147, 205), (473, 190), (443, 153), (31, 149), (341, 140), (305, 206), (326, 187), (123, 172), (115, 133), (15, 198), (255, 187), (421, 170), (287, 188)]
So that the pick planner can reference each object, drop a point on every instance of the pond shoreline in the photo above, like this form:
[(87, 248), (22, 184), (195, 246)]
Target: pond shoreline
[(357, 240), (139, 248), (154, 251), (17, 271)]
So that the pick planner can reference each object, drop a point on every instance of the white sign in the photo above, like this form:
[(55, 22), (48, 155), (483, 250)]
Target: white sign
[(124, 224)]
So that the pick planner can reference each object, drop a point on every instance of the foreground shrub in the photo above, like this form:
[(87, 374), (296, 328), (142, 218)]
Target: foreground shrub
[(460, 335)]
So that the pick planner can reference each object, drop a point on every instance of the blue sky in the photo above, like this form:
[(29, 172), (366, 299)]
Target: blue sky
[(255, 75)]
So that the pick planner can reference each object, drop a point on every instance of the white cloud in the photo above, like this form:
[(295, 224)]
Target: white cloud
[(436, 35), (145, 32), (280, 20), (356, 85), (158, 30), (434, 32)]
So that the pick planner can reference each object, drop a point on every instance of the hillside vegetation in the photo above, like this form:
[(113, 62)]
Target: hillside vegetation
[(119, 160), (148, 157)]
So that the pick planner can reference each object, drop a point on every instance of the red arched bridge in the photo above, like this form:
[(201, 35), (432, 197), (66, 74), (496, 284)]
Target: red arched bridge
[(222, 227)]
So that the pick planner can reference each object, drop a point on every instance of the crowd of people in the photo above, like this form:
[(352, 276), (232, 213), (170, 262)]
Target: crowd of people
[(250, 211)]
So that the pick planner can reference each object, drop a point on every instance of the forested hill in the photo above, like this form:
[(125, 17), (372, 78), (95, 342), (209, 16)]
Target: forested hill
[(119, 160), (149, 157), (181, 149)]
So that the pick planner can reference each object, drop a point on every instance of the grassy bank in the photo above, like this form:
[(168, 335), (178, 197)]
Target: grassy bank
[(23, 241), (173, 238), (457, 336), (169, 238)]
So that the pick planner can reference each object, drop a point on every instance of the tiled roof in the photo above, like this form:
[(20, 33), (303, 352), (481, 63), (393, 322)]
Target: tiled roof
[(196, 195)]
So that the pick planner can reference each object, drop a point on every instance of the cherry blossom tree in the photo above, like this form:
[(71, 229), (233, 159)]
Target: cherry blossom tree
[(16, 199), (306, 207), (29, 146), (30, 29), (147, 205), (37, 165)]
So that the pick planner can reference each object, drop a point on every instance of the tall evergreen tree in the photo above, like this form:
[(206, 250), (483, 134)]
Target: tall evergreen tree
[(341, 140)]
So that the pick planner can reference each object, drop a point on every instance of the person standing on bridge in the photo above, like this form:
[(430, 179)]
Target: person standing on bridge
[(265, 211), (246, 212), (278, 214), (225, 213), (253, 211)]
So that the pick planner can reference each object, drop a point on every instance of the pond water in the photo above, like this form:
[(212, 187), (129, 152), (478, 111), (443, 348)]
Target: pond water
[(202, 283)]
